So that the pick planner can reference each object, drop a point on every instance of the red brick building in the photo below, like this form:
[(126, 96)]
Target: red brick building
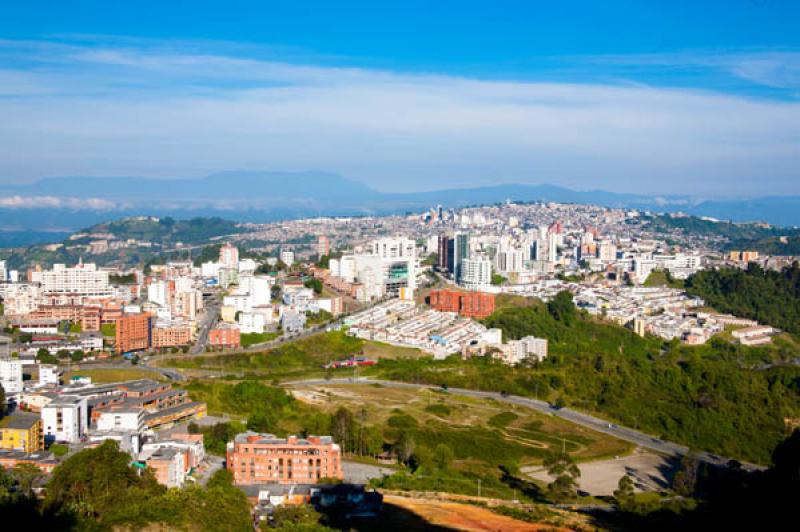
[(255, 458), (134, 332), (224, 336), (467, 304)]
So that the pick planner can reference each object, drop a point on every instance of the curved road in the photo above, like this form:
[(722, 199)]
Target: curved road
[(579, 418)]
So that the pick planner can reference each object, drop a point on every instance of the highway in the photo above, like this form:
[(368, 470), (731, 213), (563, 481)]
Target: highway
[(579, 418)]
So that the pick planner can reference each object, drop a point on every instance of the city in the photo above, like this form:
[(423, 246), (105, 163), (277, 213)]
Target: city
[(450, 266)]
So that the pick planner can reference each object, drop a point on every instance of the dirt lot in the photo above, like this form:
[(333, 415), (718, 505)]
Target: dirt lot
[(455, 516), (650, 472)]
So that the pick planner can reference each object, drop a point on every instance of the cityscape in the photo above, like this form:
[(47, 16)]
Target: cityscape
[(401, 349)]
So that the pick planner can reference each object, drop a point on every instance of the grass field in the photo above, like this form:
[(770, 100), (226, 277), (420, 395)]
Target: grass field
[(477, 430), (115, 375)]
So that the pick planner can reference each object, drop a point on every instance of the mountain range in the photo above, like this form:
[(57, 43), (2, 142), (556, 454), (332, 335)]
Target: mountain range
[(64, 204)]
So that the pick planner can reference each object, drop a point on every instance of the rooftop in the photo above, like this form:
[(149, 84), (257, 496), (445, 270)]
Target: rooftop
[(19, 420)]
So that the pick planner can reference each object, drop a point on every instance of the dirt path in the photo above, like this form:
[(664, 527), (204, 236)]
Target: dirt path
[(462, 516)]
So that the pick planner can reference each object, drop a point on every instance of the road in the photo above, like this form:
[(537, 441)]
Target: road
[(207, 320), (636, 437)]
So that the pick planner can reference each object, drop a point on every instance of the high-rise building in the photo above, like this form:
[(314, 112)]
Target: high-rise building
[(323, 246), (72, 284), (134, 332), (287, 257), (476, 273), (229, 256)]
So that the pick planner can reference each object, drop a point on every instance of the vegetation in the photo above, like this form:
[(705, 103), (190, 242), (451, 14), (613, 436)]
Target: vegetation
[(498, 279), (117, 279), (314, 284), (722, 397), (767, 296), (662, 278), (290, 359), (248, 339), (561, 466), (109, 329), (320, 317)]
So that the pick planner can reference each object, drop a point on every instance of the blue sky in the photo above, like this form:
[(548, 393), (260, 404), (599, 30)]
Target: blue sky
[(648, 97)]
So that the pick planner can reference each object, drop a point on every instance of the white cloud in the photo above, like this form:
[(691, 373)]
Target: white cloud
[(53, 202), (128, 111)]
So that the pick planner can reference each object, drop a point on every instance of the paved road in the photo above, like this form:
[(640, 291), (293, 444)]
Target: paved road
[(579, 418), (208, 319)]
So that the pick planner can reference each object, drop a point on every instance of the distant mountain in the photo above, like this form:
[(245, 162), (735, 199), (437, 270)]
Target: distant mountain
[(68, 203)]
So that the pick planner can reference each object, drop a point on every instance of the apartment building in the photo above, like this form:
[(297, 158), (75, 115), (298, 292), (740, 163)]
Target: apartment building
[(66, 418), (11, 375), (225, 335), (254, 458), (470, 305), (70, 285), (134, 332), (21, 431)]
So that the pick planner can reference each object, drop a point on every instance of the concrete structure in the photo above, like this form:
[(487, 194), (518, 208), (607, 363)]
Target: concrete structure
[(228, 256), (11, 375), (66, 418), (476, 273), (287, 257), (167, 465), (48, 375), (254, 458)]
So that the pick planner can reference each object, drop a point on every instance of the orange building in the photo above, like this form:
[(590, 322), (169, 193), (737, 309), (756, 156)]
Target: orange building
[(134, 332), (255, 458), (88, 317), (467, 304), (171, 336), (224, 335)]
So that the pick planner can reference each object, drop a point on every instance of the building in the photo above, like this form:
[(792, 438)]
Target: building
[(48, 374), (229, 256), (470, 304), (224, 335), (167, 465), (66, 418), (254, 458), (134, 332), (11, 375), (171, 334), (121, 418), (323, 246), (83, 280), (287, 257), (476, 273), (21, 431)]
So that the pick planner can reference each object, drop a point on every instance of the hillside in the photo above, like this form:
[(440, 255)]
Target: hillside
[(720, 397), (771, 297)]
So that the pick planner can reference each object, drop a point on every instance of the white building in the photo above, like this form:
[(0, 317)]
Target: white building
[(121, 419), (476, 273), (48, 374), (66, 418), (82, 280), (157, 292), (11, 375), (287, 257)]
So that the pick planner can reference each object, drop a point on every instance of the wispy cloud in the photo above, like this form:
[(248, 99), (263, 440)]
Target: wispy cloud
[(168, 111), (53, 202)]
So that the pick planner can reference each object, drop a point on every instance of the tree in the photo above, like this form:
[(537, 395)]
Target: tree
[(99, 483), (562, 467), (342, 427), (685, 479), (2, 401), (77, 355), (405, 447), (624, 492), (26, 476), (314, 284), (561, 307), (497, 279), (443, 456)]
